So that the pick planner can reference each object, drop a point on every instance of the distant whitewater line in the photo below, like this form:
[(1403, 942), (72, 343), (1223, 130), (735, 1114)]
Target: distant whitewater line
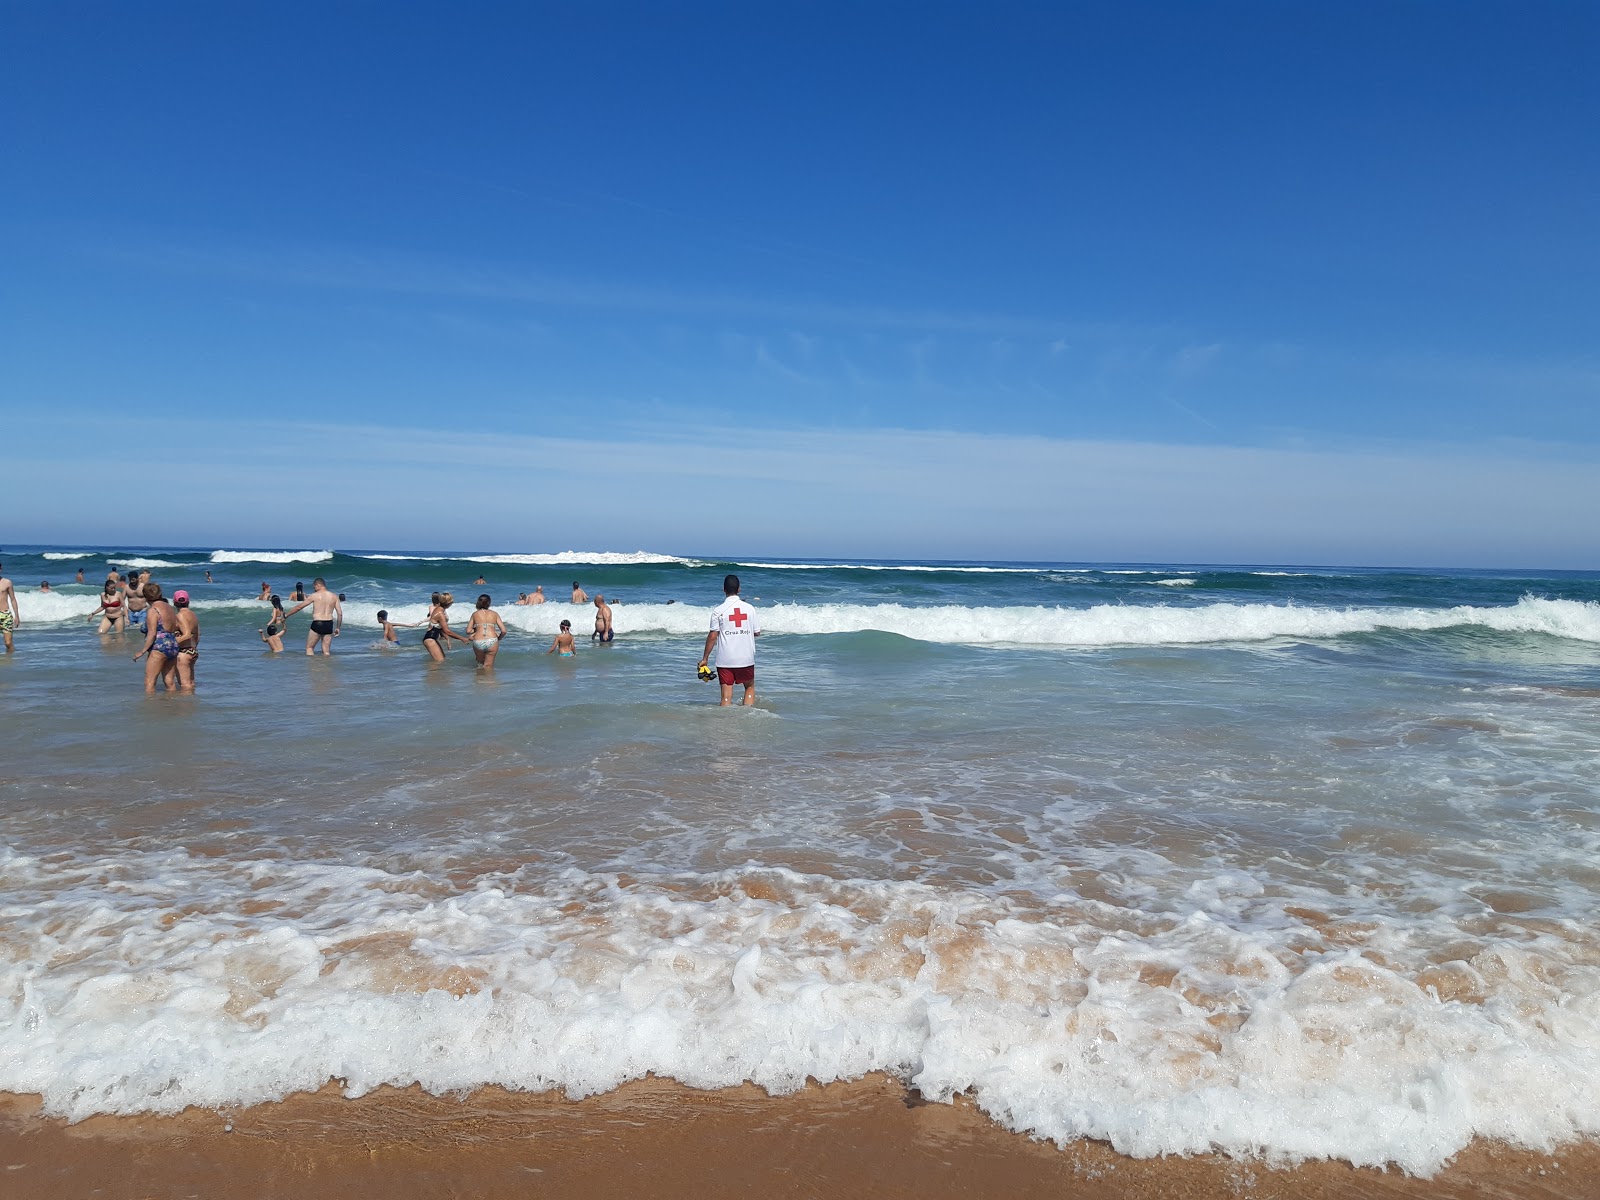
[(1101, 625), (597, 558), (271, 556), (1036, 625)]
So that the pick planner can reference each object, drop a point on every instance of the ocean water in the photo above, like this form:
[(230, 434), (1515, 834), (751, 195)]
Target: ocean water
[(1293, 861)]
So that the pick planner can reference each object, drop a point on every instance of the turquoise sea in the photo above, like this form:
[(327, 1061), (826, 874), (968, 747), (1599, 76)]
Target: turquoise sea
[(1288, 859)]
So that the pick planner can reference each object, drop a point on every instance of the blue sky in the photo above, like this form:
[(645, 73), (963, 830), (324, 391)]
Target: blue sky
[(1199, 282)]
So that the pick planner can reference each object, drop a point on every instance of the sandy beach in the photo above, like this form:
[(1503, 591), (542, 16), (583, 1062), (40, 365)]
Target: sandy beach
[(870, 1137)]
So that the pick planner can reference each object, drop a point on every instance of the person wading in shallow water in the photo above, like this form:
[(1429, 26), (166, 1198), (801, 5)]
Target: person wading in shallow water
[(327, 616), (160, 640), (10, 614), (734, 630), (188, 640), (602, 620)]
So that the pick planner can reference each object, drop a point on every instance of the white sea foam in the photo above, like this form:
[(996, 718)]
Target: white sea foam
[(271, 556), (140, 983), (56, 607), (146, 564), (1173, 582), (58, 556), (1102, 625), (597, 558), (920, 567), (594, 558)]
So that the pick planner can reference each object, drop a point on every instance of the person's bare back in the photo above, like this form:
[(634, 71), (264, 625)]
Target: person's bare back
[(327, 616)]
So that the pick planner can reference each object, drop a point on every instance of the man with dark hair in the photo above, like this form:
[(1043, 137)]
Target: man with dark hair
[(734, 630)]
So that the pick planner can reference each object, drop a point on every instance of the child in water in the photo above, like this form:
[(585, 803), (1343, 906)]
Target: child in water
[(389, 627), (272, 635), (563, 642)]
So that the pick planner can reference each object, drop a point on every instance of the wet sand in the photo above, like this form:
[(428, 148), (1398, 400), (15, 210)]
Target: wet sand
[(657, 1138)]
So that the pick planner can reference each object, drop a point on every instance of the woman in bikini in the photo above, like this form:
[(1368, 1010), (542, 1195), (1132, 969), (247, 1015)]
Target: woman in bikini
[(111, 612), (188, 641), (272, 635), (439, 632), (160, 641), (484, 631)]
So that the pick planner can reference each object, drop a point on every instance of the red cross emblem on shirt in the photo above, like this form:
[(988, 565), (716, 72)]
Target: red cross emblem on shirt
[(738, 616)]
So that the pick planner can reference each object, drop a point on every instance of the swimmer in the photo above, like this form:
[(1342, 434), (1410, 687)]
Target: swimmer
[(10, 614), (299, 592), (602, 621), (160, 641), (484, 631), (266, 593), (79, 578), (188, 641), (439, 633), (272, 635), (538, 596), (208, 578), (579, 596), (112, 612), (390, 626), (480, 581), (45, 586), (563, 644), (327, 617), (522, 599)]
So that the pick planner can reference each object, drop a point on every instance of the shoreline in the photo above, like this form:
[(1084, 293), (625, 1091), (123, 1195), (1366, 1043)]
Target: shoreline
[(659, 1138)]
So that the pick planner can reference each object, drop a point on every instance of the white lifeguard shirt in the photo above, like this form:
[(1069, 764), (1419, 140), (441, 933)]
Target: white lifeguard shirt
[(736, 624)]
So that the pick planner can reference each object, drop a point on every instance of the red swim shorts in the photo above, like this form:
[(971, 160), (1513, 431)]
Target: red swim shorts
[(728, 676)]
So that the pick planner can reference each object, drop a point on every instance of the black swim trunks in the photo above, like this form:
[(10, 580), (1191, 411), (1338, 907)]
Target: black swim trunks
[(322, 628)]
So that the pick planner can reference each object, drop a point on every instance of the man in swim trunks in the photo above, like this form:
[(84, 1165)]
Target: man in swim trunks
[(579, 596), (327, 617), (538, 595), (10, 614), (602, 620), (133, 593), (734, 630)]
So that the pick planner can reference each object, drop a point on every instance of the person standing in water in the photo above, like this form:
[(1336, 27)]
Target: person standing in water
[(188, 641), (112, 613), (133, 595), (439, 634), (79, 578), (579, 596), (160, 641), (10, 614), (272, 635), (327, 616), (538, 596), (563, 646), (602, 620), (484, 631), (734, 630)]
